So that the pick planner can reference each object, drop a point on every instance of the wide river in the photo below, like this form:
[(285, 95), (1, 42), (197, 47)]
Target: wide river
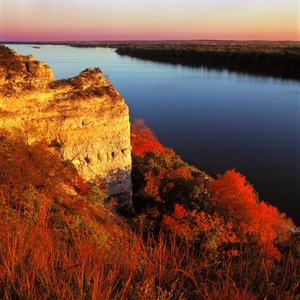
[(214, 119)]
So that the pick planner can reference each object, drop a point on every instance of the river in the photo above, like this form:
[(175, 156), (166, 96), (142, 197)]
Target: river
[(215, 119)]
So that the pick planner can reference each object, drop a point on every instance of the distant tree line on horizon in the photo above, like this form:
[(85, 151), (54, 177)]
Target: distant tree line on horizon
[(287, 57)]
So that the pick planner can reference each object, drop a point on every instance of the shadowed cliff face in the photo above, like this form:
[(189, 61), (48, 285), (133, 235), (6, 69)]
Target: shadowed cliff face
[(84, 118)]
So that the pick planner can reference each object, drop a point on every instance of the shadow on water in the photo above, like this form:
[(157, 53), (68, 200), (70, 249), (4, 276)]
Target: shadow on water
[(241, 69)]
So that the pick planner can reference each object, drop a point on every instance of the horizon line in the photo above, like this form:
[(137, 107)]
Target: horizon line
[(145, 40)]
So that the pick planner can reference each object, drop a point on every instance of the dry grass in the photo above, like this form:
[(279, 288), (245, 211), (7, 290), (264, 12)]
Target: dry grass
[(57, 245), (97, 257)]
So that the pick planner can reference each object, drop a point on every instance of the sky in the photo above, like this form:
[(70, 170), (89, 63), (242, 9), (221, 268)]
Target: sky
[(75, 20)]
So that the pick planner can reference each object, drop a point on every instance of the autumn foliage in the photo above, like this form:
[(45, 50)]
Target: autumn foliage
[(143, 139), (215, 214), (199, 227), (28, 166), (187, 240), (253, 221)]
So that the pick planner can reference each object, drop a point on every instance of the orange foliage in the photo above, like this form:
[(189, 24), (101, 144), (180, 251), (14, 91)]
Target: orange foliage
[(179, 212), (143, 139), (252, 221), (212, 231), (63, 246), (175, 222), (27, 165), (152, 185), (84, 189), (162, 179), (158, 186), (231, 197)]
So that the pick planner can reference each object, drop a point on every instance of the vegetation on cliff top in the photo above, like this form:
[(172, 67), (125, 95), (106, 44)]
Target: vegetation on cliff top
[(192, 237)]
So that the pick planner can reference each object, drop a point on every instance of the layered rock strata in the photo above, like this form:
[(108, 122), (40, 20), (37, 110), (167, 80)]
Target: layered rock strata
[(84, 118)]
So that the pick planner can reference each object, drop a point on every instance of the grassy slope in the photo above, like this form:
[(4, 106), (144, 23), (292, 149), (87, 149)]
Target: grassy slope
[(57, 244)]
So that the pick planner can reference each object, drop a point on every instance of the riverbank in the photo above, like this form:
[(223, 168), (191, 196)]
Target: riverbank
[(265, 56), (115, 43)]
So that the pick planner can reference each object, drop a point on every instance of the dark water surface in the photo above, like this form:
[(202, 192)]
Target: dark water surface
[(214, 119)]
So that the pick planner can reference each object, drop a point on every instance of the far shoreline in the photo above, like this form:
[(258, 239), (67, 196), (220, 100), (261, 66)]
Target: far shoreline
[(116, 43)]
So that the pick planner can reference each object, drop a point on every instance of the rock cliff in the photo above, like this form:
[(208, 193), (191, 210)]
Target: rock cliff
[(84, 118)]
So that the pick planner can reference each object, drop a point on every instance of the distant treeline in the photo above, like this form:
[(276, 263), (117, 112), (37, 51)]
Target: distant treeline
[(287, 57)]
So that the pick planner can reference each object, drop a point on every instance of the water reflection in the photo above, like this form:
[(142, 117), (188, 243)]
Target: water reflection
[(253, 71)]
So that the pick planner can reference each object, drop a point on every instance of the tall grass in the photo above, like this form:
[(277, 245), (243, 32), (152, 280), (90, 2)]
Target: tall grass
[(59, 245), (100, 258)]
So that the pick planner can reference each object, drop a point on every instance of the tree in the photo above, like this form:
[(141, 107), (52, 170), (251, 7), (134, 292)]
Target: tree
[(253, 222)]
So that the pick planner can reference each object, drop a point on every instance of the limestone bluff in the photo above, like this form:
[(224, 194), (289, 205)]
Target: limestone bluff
[(84, 118)]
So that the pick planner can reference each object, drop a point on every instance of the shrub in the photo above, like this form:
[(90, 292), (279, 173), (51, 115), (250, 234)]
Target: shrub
[(143, 139), (252, 221)]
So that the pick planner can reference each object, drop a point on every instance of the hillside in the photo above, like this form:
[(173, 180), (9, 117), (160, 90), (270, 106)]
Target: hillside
[(61, 240)]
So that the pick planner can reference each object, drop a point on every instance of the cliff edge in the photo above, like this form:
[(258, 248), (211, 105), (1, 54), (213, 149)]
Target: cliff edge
[(84, 118)]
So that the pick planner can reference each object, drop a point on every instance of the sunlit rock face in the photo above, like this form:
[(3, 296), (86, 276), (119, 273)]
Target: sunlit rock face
[(84, 118)]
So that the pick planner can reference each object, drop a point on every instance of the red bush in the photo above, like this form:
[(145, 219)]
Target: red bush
[(143, 139)]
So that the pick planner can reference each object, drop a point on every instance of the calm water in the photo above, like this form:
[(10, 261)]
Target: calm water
[(215, 120)]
